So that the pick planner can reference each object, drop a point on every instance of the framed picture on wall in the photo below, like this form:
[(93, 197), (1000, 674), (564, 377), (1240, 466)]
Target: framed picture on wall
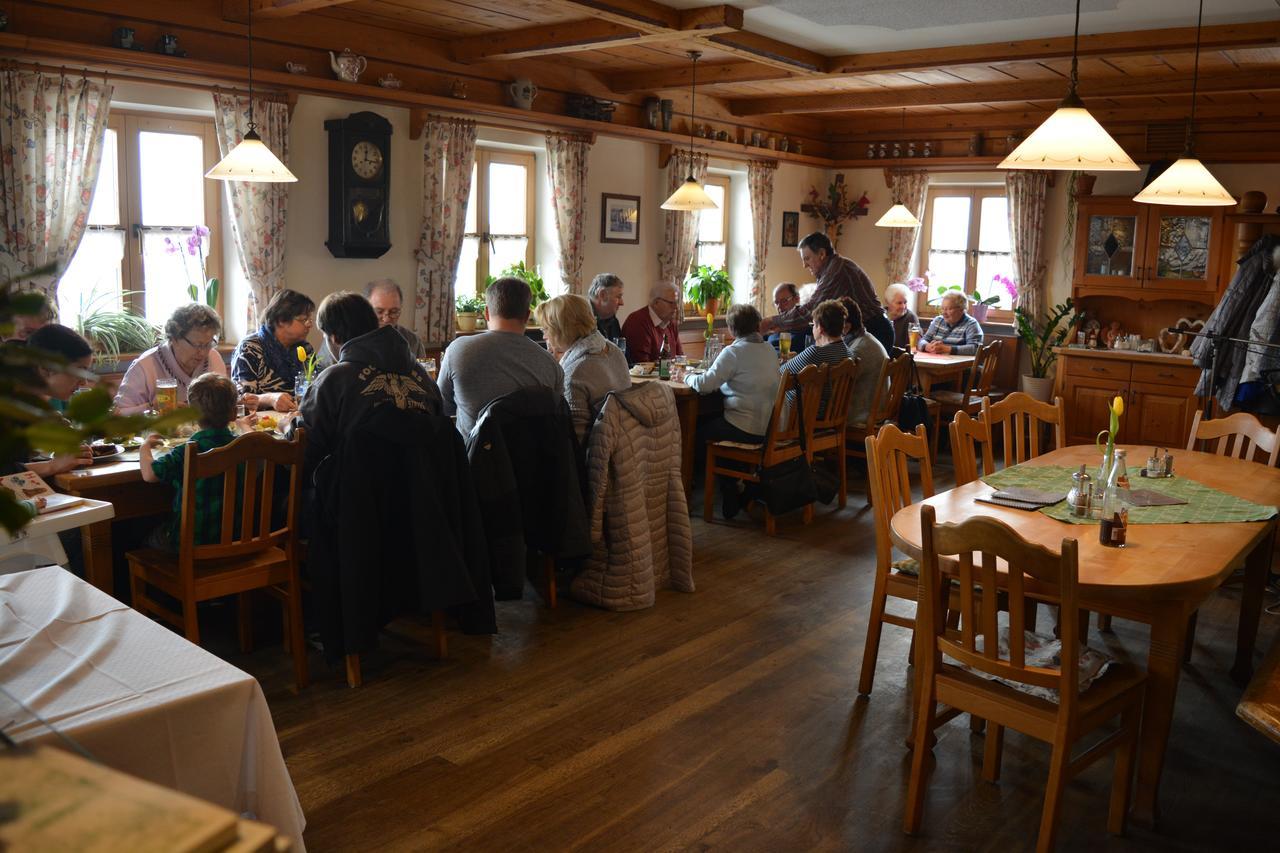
[(619, 218), (791, 228)]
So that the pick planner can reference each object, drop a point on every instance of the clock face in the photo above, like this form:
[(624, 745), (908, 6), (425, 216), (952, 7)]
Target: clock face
[(366, 160)]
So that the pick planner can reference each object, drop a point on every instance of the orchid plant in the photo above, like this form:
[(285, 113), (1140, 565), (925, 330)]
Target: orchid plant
[(205, 289)]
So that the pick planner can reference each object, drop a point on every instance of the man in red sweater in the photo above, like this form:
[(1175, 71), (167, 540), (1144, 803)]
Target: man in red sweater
[(646, 327)]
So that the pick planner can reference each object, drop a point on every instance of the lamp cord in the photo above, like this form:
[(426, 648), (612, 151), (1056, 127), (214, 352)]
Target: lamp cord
[(693, 103), (252, 126), (1195, 78), (1075, 51)]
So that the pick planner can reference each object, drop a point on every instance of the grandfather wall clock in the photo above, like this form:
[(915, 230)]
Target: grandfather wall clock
[(359, 186)]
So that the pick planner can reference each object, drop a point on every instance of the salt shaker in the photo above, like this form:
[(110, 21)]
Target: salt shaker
[(1078, 498)]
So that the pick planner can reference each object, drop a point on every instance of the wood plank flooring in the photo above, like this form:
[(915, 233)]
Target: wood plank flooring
[(726, 719)]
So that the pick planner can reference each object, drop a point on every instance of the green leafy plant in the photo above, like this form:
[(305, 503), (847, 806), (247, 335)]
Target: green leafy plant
[(112, 330), (531, 277), (707, 283), (27, 420), (465, 304), (1041, 336)]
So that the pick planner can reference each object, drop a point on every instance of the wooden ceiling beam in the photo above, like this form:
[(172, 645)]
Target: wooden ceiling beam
[(983, 93), (679, 76), (768, 51), (288, 8), (635, 13)]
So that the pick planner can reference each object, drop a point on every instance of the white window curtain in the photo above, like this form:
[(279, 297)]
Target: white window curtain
[(760, 174), (567, 155), (51, 129), (259, 210), (1027, 191), (680, 227), (909, 188), (449, 153)]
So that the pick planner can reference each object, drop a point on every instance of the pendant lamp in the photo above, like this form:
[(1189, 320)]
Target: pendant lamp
[(1187, 181), (251, 159), (898, 216), (1070, 139), (690, 195)]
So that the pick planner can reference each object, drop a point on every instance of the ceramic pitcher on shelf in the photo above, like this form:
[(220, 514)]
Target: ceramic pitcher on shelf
[(522, 92), (347, 65)]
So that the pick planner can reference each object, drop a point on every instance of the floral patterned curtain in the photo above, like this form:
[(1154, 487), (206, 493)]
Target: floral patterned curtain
[(909, 188), (449, 152), (760, 185), (259, 211), (680, 227), (1027, 190), (51, 129), (567, 171)]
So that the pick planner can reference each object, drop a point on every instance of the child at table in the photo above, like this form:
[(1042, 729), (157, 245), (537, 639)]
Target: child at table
[(214, 397)]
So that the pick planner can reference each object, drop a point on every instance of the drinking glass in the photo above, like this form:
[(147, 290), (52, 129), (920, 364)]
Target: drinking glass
[(784, 343), (166, 395), (913, 336), (621, 343), (428, 365)]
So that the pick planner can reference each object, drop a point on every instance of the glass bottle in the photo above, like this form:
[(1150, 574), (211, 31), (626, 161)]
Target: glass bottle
[(1078, 498), (1113, 528), (1121, 470), (664, 359)]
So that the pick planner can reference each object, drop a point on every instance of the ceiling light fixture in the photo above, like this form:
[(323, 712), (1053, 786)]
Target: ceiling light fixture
[(898, 216), (690, 195), (1070, 139), (251, 159), (1187, 181)]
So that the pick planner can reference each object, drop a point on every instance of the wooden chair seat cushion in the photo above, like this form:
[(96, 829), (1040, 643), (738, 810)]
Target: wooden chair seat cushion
[(954, 399), (908, 566), (161, 568), (744, 445), (1042, 651)]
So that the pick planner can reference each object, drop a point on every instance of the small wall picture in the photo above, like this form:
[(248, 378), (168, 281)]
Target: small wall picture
[(791, 228), (619, 218)]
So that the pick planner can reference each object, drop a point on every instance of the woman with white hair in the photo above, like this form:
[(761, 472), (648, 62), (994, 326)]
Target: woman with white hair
[(897, 297), (953, 332)]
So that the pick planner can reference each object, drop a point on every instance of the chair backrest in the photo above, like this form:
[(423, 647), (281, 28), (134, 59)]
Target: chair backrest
[(983, 373), (784, 423), (1240, 435), (889, 479), (1019, 420), (248, 468), (838, 389), (970, 461), (889, 401), (1051, 574)]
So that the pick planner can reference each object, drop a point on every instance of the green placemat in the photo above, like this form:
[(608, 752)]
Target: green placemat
[(1203, 504)]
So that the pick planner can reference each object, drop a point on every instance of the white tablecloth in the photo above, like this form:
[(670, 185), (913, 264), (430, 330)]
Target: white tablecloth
[(37, 544), (140, 698)]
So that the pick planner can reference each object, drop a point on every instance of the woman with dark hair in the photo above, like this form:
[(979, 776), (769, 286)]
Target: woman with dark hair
[(266, 360), (871, 358), (59, 385)]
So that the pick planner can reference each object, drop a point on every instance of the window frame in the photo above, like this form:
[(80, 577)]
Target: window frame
[(480, 186), (975, 193), (724, 182)]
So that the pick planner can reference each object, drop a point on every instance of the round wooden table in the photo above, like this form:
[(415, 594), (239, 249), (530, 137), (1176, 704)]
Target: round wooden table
[(1161, 578)]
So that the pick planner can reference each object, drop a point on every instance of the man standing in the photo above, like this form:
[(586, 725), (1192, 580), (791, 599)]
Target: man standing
[(646, 327), (605, 294), (478, 369), (786, 296), (836, 276)]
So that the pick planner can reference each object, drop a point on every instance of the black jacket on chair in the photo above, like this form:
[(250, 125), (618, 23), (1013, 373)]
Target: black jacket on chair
[(525, 466), (397, 530)]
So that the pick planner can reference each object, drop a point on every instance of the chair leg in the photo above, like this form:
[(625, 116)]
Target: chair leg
[(770, 523), (709, 487), (136, 588), (1191, 636), (1053, 797), (875, 625), (297, 642), (549, 568), (441, 637), (1082, 619), (354, 678), (1122, 774), (992, 753), (190, 621), (1104, 621), (807, 515), (844, 475), (244, 607), (920, 753)]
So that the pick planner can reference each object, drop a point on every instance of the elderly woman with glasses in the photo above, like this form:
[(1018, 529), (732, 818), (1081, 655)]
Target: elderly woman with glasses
[(190, 349), (266, 360), (954, 331)]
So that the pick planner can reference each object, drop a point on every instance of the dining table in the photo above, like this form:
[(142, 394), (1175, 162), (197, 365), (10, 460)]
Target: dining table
[(690, 406), (1161, 577), (936, 368)]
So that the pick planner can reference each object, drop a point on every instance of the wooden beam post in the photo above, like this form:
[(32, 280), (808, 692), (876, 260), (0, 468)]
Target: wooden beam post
[(289, 8)]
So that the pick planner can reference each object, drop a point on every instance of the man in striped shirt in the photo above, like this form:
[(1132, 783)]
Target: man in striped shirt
[(953, 332), (828, 320)]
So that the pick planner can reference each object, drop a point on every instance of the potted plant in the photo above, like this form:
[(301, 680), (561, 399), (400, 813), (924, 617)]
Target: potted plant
[(531, 277), (468, 309), (978, 306), (707, 287), (113, 331), (1040, 338)]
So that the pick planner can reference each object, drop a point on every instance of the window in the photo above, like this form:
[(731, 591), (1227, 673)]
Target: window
[(713, 225), (966, 242), (151, 189), (500, 218)]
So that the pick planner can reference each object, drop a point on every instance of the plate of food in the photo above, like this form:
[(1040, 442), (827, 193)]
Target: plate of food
[(105, 452), (642, 368)]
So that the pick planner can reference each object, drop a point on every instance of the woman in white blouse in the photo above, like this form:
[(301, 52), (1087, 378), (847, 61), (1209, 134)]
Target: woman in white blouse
[(190, 349)]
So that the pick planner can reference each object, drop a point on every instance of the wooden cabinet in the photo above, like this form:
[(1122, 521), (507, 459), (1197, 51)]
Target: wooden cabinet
[(1143, 251), (1159, 397)]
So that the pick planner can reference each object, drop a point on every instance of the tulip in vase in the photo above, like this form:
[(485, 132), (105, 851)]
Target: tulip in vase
[(1108, 450)]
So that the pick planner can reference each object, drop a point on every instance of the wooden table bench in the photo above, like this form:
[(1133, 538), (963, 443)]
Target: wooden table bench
[(1260, 706)]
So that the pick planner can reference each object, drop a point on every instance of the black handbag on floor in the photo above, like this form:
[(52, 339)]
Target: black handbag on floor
[(914, 410), (788, 485)]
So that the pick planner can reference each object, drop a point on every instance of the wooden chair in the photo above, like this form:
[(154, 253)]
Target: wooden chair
[(970, 460), (895, 376), (781, 442), (827, 430), (1241, 436), (251, 553), (981, 377), (1019, 420), (1119, 692)]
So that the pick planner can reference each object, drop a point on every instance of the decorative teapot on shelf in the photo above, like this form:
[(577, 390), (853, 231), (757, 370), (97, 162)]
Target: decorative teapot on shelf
[(522, 92), (347, 65)]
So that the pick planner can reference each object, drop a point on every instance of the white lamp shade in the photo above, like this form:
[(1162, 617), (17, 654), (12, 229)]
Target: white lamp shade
[(251, 160), (1069, 140), (1187, 182), (898, 217), (689, 196)]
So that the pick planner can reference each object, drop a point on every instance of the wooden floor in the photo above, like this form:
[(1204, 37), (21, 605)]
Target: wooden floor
[(722, 720)]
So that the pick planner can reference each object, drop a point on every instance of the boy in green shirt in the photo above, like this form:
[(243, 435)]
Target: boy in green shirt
[(214, 397)]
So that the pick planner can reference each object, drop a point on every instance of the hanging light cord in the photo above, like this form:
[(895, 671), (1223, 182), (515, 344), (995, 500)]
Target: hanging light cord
[(1075, 52), (693, 104), (1195, 81), (252, 126)]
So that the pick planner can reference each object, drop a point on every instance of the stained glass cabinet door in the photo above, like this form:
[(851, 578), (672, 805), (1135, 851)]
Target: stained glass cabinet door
[(1183, 245), (1109, 251)]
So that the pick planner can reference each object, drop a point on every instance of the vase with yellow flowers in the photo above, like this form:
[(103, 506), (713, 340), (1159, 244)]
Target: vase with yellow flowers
[(1106, 440), (308, 374)]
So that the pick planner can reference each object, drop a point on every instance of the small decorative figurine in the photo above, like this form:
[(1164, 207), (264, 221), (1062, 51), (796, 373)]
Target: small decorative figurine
[(122, 38), (347, 65), (458, 89), (295, 68), (1113, 335), (390, 81), (4, 25), (651, 107), (168, 45), (666, 108)]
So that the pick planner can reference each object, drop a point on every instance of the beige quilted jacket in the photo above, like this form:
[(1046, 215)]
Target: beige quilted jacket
[(639, 517)]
